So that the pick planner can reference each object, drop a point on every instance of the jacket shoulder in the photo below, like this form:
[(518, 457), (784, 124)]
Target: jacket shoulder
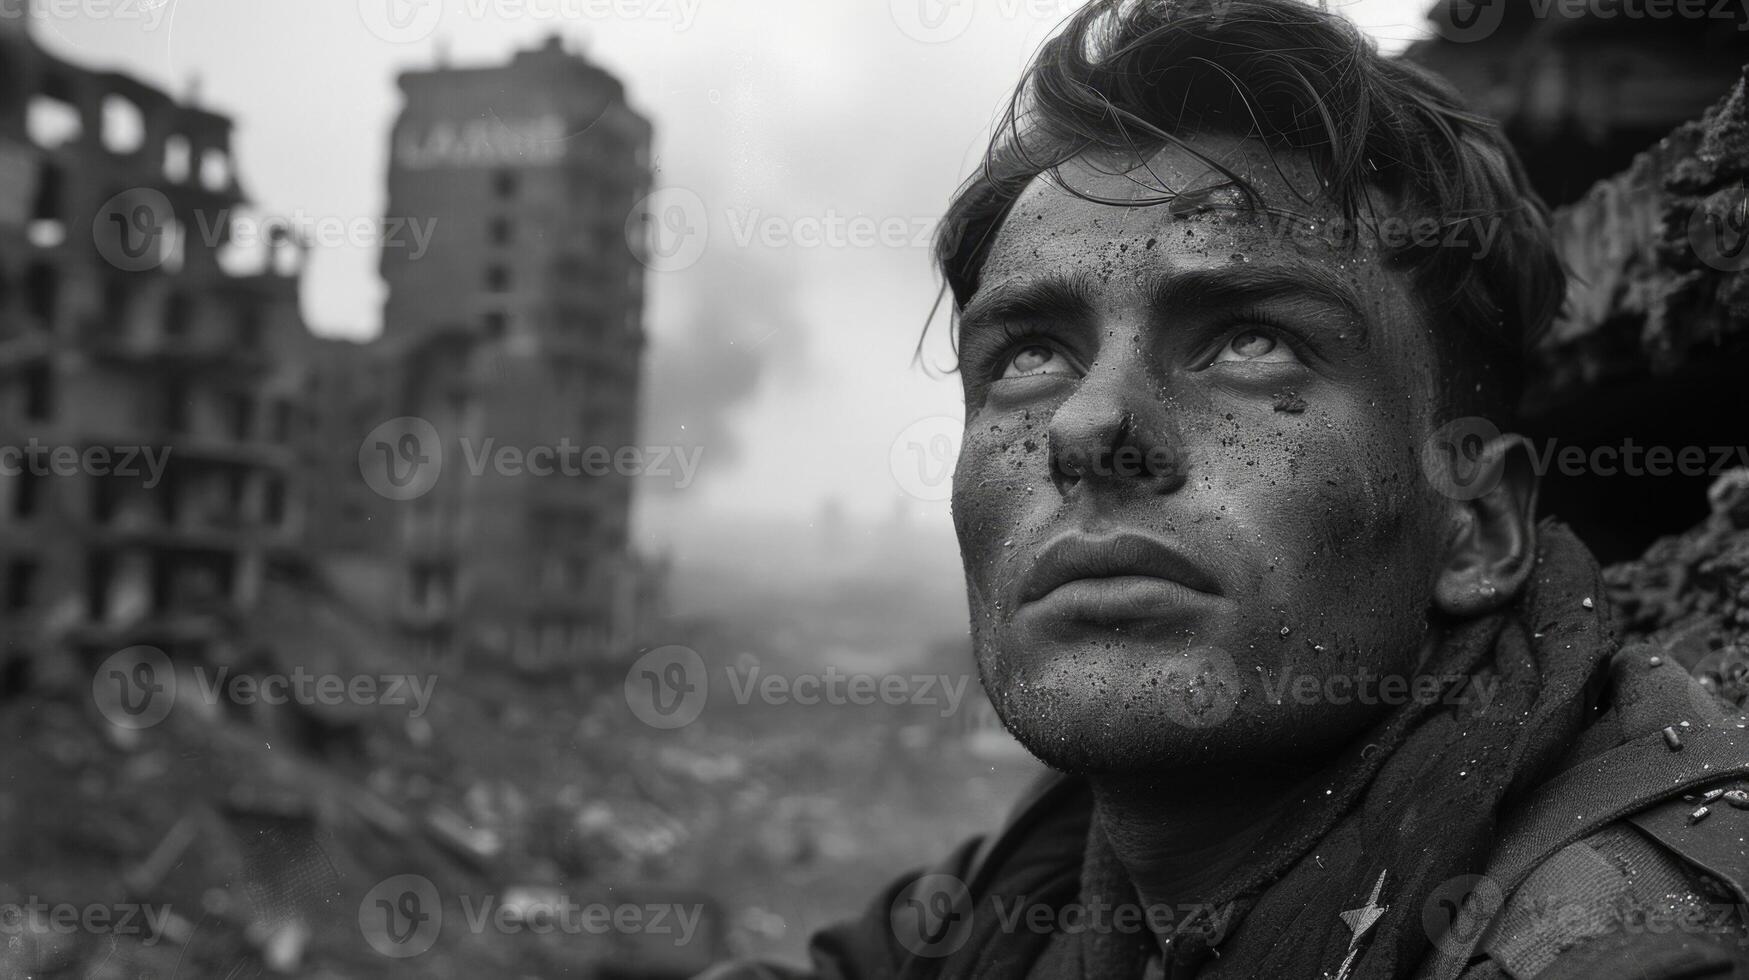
[(1623, 902)]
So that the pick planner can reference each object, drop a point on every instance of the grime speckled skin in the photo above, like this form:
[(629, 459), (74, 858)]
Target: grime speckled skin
[(1297, 485)]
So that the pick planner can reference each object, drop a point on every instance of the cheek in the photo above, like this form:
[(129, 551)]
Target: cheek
[(1357, 490), (1001, 482), (1335, 503)]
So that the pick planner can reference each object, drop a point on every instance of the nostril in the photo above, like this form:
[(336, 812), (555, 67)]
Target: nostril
[(1122, 448)]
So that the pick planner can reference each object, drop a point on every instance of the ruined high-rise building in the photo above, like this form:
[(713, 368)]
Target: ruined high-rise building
[(515, 328)]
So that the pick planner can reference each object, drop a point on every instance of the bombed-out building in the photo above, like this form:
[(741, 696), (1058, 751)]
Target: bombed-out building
[(151, 393), (513, 334)]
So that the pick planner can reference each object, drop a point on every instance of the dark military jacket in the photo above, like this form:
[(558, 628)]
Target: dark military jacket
[(1591, 821)]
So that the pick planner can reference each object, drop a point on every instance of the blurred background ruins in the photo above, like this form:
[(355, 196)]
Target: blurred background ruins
[(280, 282)]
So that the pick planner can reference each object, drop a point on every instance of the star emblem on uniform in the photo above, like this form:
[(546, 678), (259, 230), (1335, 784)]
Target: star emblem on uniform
[(1360, 922)]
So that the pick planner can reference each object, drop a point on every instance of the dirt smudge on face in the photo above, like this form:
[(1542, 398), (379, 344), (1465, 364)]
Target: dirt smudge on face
[(1289, 402)]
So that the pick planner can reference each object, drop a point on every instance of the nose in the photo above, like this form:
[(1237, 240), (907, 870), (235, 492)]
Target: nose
[(1116, 434)]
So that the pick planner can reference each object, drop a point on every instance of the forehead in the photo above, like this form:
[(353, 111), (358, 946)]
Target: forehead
[(1130, 233)]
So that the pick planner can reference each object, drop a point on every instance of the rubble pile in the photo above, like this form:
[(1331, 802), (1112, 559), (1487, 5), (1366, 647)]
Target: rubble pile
[(1658, 280), (1689, 593), (1652, 346), (255, 834), (244, 840)]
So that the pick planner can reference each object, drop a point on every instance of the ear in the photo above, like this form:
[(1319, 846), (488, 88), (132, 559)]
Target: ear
[(1491, 548)]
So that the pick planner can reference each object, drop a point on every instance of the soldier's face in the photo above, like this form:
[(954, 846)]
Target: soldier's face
[(1190, 482)]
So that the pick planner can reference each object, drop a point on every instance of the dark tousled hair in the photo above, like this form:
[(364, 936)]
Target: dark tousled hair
[(1126, 78)]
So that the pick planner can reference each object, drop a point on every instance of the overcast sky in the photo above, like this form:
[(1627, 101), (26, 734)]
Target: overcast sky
[(786, 356)]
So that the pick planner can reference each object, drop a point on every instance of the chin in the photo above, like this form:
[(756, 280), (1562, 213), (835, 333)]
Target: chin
[(1115, 708), (1096, 744), (1133, 709)]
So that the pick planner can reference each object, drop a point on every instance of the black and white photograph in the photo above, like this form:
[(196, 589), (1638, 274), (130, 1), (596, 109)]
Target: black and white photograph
[(874, 489)]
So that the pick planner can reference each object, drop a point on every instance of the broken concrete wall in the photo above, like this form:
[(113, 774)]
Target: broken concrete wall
[(1651, 351)]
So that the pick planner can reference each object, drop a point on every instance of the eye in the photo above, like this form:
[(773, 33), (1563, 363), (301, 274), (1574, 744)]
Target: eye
[(1255, 345), (1030, 360)]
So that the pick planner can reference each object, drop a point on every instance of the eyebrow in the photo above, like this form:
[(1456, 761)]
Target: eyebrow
[(1069, 297), (1065, 297)]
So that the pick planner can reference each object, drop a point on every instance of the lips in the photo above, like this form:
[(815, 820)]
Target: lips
[(1113, 578)]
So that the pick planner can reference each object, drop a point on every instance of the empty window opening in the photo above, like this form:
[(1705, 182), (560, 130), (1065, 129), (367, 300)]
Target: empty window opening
[(124, 127), (178, 158), (215, 170), (52, 123)]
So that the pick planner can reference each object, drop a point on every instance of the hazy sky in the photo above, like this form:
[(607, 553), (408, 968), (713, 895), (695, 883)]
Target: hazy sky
[(785, 349)]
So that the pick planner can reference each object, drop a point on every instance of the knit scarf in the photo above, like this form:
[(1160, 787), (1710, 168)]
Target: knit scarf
[(1408, 809)]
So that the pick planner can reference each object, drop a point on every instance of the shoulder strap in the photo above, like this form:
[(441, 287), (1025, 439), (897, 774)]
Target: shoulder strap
[(1611, 786), (1619, 880), (1592, 795), (1717, 843)]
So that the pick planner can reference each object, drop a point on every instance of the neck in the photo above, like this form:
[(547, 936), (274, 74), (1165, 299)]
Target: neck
[(1181, 838)]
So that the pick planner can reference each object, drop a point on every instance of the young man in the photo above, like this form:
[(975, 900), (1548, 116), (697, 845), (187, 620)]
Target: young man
[(1242, 307)]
